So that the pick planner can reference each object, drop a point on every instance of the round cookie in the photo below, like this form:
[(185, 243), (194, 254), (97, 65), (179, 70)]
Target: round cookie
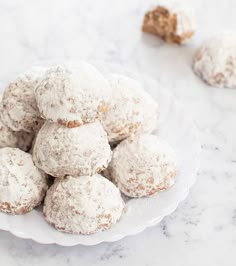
[(170, 21), (83, 205), (22, 185), (61, 151), (72, 95), (19, 107), (215, 61), (131, 109), (143, 165)]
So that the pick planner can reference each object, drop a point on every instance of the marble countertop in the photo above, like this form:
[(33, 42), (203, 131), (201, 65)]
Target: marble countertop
[(202, 231)]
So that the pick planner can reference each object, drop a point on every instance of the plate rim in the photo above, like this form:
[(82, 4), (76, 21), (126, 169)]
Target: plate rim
[(136, 229)]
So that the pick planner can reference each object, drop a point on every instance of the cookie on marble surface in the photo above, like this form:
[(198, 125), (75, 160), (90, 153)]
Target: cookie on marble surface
[(19, 107), (131, 109), (143, 165), (215, 61), (83, 205), (73, 95), (61, 151), (22, 184), (170, 21)]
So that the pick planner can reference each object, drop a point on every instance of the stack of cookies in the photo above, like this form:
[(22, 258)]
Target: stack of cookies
[(92, 134)]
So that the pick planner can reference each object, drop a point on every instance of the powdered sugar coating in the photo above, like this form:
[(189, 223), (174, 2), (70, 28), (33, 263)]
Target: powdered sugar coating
[(143, 165), (19, 108), (83, 205), (61, 151), (215, 61), (73, 95), (22, 185), (131, 109), (184, 14), (184, 17)]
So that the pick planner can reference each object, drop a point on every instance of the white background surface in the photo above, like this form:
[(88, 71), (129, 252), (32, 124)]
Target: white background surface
[(203, 229)]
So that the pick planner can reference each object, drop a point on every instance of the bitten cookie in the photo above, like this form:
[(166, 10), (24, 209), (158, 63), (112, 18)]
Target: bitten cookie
[(170, 21), (73, 95), (22, 185), (61, 151), (83, 205), (143, 165), (19, 108), (131, 109), (215, 61)]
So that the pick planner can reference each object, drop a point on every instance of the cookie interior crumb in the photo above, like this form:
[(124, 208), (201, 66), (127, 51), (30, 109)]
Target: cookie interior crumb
[(163, 23)]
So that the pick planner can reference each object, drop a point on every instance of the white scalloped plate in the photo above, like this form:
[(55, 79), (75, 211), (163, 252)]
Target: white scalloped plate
[(178, 129)]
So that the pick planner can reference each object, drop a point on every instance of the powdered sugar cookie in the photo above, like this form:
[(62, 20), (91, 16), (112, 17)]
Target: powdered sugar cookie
[(131, 109), (215, 61), (143, 165), (61, 151), (19, 108), (73, 95), (170, 21), (83, 205), (22, 185)]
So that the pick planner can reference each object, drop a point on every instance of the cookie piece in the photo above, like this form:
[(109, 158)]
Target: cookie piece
[(170, 21), (72, 95), (83, 205), (131, 109), (61, 151), (143, 165), (19, 107), (215, 61), (22, 185)]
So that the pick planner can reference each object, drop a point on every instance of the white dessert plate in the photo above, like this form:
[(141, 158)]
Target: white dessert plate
[(178, 129)]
